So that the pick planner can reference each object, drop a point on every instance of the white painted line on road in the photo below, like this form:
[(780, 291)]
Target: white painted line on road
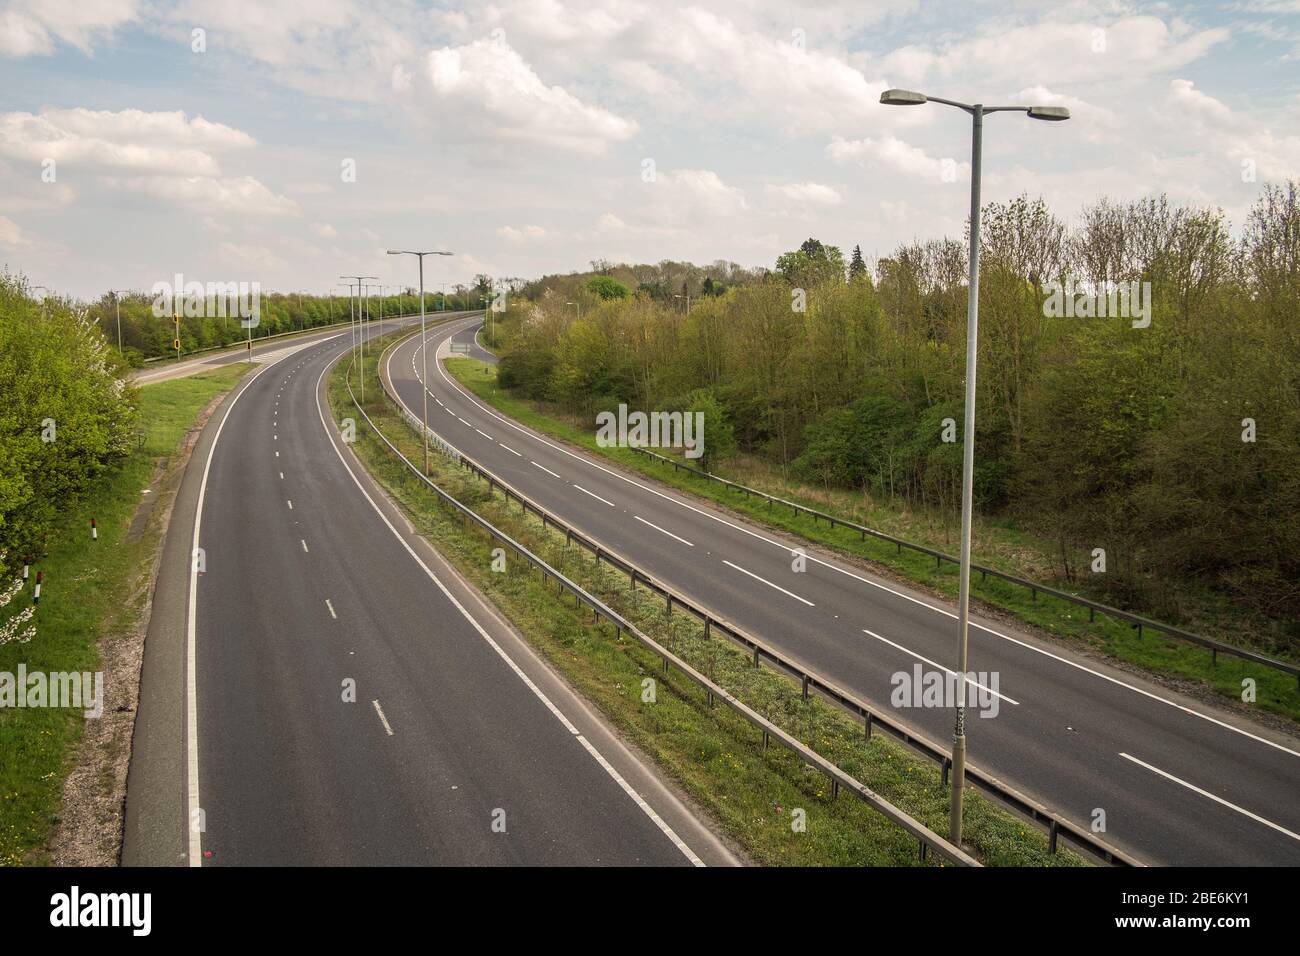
[(304, 544), (331, 607), (484, 434), (282, 476), (458, 418), (594, 495), (946, 670), (640, 802), (384, 720), (547, 470), (532, 436), (664, 530), (509, 449), (194, 842), (501, 652), (1205, 793), (768, 583), (449, 411), (277, 454), (289, 502)]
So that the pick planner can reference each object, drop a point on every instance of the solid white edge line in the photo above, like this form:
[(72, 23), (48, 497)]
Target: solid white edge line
[(194, 847), (768, 583), (1205, 793), (946, 670), (663, 530), (501, 652), (384, 720), (857, 577), (594, 495)]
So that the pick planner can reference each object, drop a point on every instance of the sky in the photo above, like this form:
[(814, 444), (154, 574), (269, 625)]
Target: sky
[(287, 143)]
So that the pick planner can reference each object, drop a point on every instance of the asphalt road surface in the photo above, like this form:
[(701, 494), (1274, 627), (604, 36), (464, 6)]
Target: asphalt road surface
[(1175, 780), (351, 700)]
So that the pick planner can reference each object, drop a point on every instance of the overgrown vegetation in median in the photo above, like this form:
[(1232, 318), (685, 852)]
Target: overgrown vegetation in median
[(757, 795)]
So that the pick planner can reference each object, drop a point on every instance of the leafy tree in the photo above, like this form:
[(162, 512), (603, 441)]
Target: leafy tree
[(605, 287), (68, 415), (811, 264)]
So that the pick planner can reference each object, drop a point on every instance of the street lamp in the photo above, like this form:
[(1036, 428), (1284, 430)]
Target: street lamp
[(356, 335), (424, 351), (977, 111)]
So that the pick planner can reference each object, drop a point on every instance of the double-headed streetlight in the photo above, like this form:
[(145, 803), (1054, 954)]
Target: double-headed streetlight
[(977, 111), (424, 351)]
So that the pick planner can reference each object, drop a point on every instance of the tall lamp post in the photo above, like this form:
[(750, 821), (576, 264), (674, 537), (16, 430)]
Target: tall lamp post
[(356, 334), (424, 351), (977, 113)]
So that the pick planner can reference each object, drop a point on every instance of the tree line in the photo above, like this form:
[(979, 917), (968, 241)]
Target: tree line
[(68, 416), (1171, 443), (148, 335)]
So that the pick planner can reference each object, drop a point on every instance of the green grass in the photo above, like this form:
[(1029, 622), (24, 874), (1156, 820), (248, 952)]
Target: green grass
[(1276, 692), (715, 756), (82, 599)]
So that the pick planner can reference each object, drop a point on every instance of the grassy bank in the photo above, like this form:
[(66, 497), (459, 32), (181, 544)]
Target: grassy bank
[(82, 598), (717, 758), (1276, 692)]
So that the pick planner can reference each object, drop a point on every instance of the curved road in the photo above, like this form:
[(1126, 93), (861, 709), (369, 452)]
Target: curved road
[(1178, 782), (350, 700)]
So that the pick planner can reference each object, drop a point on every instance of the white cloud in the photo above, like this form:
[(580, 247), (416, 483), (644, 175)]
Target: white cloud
[(897, 155), (33, 27), (522, 234), (505, 99), (686, 194), (243, 195), (127, 140), (815, 194), (10, 233), (249, 257), (324, 230), (1056, 52)]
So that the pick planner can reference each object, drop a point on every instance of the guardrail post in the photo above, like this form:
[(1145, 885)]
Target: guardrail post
[(947, 762), (805, 686), (708, 623), (835, 788), (923, 849), (867, 724), (756, 655), (765, 740), (669, 600), (1214, 657), (1051, 836)]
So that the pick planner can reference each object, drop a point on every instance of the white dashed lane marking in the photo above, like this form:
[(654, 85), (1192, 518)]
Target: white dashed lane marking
[(664, 531), (594, 495), (769, 583)]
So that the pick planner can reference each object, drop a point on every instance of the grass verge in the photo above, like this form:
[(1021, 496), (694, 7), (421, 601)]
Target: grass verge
[(717, 758), (1276, 692), (81, 601)]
